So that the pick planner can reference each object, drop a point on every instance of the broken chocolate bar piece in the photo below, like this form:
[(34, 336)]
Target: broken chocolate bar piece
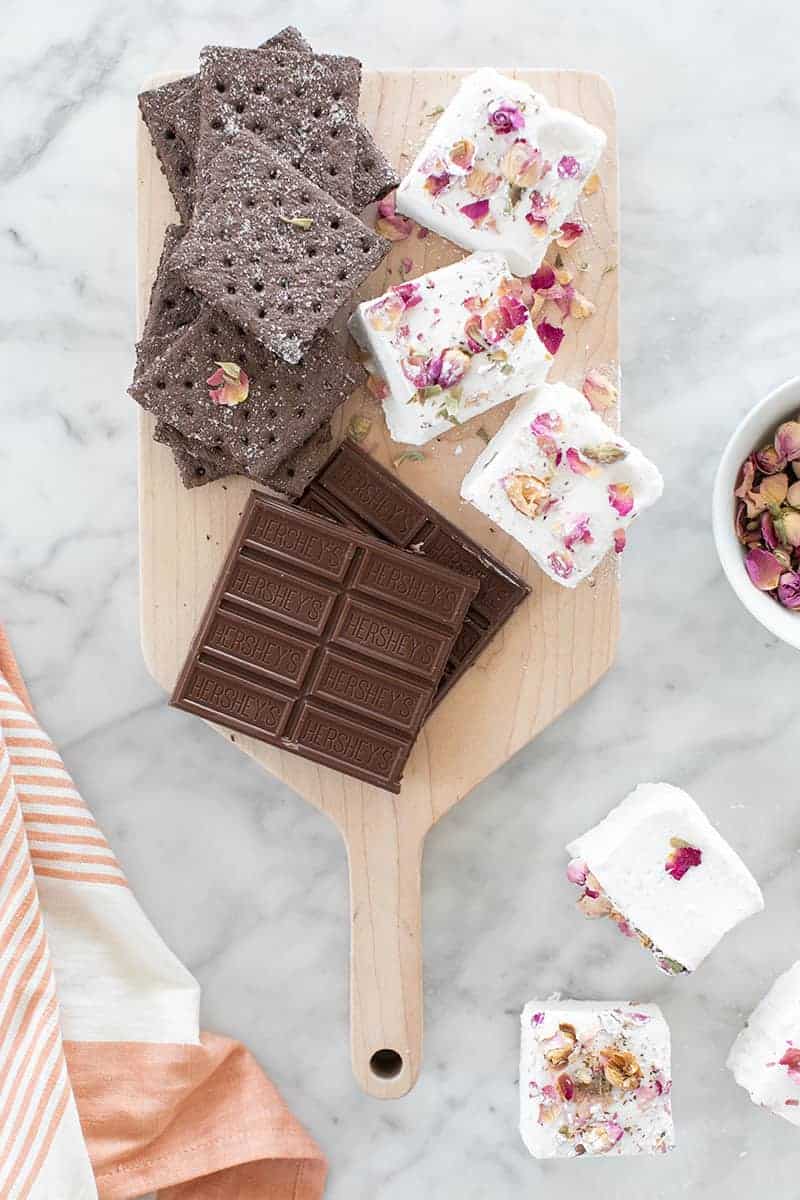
[(198, 464), (358, 492), (283, 407), (273, 251), (323, 641)]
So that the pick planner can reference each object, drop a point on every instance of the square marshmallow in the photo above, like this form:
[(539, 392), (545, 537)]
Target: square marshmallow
[(658, 867), (501, 170), (594, 1078), (450, 345), (765, 1058), (561, 482)]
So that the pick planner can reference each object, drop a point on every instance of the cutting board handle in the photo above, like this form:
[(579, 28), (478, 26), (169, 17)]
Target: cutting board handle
[(385, 860)]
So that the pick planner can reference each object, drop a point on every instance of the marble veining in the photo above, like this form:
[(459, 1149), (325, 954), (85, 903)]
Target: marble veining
[(245, 881)]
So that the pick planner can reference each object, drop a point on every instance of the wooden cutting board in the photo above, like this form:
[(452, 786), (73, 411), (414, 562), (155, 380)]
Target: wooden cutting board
[(555, 647)]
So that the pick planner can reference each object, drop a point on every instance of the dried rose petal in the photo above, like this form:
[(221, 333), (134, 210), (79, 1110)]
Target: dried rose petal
[(229, 385), (560, 564), (579, 532), (566, 1086), (747, 477), (682, 858), (475, 337), (580, 306), (514, 311), (793, 495), (620, 497), (482, 182), (789, 590), (434, 184), (620, 540), (768, 460), (543, 279), (599, 391), (377, 386), (791, 1059), (476, 212), (546, 422), (537, 1018), (787, 440), (570, 232), (462, 154), (740, 521), (592, 185), (550, 336), (768, 534), (568, 167), (521, 164), (763, 568), (389, 223), (506, 118), (577, 870), (409, 293), (529, 494), (578, 464), (415, 367), (385, 314)]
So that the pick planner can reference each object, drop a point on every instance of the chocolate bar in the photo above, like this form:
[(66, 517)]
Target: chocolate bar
[(323, 641), (357, 491)]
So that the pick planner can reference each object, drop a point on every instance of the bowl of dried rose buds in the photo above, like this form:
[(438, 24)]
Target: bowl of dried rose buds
[(756, 512)]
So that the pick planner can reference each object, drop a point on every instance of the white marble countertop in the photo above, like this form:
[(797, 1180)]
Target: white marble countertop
[(245, 881)]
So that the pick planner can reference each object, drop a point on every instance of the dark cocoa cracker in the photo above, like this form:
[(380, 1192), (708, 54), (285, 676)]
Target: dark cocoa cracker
[(247, 255), (303, 108), (285, 406), (173, 305), (201, 464), (177, 160), (374, 176)]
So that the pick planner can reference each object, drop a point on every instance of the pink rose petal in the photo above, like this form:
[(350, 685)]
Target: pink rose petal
[(763, 568), (620, 497), (550, 336), (506, 118), (568, 167)]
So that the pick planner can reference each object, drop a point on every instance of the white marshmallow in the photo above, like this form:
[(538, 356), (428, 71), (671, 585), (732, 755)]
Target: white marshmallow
[(531, 196), (545, 479), (408, 330), (644, 857), (765, 1058), (610, 1095)]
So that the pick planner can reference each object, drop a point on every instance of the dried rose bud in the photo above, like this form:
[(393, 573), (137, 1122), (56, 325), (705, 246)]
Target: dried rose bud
[(530, 495), (787, 526), (793, 495), (229, 385), (789, 590), (599, 391), (768, 460), (621, 1068), (787, 440), (506, 118), (568, 167), (768, 534), (763, 568)]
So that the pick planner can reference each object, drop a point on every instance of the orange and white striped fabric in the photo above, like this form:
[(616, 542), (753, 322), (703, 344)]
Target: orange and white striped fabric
[(107, 1087)]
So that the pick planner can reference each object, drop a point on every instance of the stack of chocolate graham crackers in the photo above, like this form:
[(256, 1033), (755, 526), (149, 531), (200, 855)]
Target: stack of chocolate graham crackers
[(269, 166)]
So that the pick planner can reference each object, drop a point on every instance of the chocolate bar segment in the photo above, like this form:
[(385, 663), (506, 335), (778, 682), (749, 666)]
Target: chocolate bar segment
[(357, 491), (324, 641)]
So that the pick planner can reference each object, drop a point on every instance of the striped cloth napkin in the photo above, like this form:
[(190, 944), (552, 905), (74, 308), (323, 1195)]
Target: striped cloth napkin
[(107, 1086)]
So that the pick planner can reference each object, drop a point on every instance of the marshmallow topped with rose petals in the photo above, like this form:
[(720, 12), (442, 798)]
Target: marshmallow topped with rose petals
[(595, 1079), (561, 482), (501, 170), (449, 345), (765, 1058), (658, 867)]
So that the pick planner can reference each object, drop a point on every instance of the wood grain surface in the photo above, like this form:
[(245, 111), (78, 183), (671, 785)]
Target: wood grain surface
[(553, 649)]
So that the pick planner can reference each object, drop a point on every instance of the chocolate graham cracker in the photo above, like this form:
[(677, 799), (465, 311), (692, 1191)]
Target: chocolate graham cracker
[(198, 464), (284, 406), (357, 491), (173, 305), (270, 249), (323, 641), (177, 160), (304, 109)]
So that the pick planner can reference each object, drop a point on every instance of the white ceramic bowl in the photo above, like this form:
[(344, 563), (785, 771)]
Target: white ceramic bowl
[(754, 431)]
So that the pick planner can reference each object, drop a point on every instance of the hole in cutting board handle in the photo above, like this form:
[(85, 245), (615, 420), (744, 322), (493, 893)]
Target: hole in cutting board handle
[(386, 1064)]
